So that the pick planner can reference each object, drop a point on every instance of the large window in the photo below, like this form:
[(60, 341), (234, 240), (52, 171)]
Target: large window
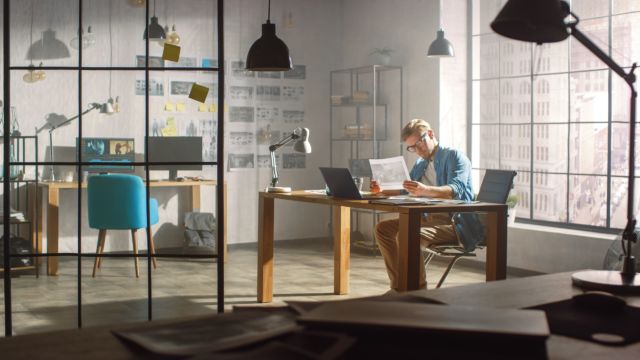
[(557, 115)]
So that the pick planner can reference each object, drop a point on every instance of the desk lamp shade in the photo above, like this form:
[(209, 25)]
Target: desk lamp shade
[(440, 47), (302, 145), (539, 21), (49, 47)]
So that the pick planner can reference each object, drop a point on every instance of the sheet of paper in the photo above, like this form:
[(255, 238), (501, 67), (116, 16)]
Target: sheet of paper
[(389, 172)]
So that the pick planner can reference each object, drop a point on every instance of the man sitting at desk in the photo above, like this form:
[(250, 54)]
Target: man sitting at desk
[(439, 172)]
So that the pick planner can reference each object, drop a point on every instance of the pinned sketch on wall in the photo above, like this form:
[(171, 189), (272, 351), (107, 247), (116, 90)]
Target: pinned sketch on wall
[(264, 161), (209, 63), (238, 70), (241, 138), (156, 87), (267, 114), (267, 93), (187, 127), (269, 74), (292, 93), (156, 127), (181, 87), (267, 136), (240, 161), (241, 93), (170, 128), (293, 116), (154, 61), (299, 72), (294, 161), (207, 130), (213, 89), (241, 114), (184, 62)]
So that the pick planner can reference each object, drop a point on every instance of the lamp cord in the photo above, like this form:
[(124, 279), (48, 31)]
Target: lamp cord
[(268, 12), (111, 50)]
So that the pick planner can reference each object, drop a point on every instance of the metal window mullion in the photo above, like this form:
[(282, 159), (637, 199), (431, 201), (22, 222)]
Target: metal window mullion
[(5, 181), (609, 118), (220, 208), (79, 170), (146, 168), (531, 132)]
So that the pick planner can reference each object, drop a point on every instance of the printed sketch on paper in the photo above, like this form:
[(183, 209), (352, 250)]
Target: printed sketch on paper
[(292, 93), (244, 93), (269, 74), (241, 161), (238, 70), (299, 72), (292, 116), (266, 136), (294, 161), (241, 138), (156, 87), (269, 114), (207, 130), (264, 161), (267, 93), (181, 87), (183, 62), (243, 114), (154, 61)]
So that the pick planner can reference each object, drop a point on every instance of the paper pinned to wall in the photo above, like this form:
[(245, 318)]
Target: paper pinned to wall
[(202, 107), (168, 106), (198, 92), (180, 106), (170, 128), (171, 52), (213, 108)]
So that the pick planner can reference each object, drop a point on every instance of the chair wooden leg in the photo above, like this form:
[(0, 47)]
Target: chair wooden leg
[(134, 239), (99, 246), (152, 249)]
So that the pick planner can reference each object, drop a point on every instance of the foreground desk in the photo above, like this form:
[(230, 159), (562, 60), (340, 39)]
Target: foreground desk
[(51, 192), (408, 238), (100, 343)]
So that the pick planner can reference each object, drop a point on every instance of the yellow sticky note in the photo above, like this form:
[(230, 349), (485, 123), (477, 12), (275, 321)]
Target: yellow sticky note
[(198, 92), (226, 108), (170, 129), (202, 107), (213, 108), (171, 52), (180, 106), (168, 106)]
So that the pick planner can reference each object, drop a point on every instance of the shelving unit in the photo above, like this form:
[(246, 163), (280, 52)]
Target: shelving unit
[(20, 197), (365, 122)]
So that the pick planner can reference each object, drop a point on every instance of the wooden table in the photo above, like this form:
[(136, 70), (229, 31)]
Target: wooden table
[(408, 238), (51, 192), (100, 343)]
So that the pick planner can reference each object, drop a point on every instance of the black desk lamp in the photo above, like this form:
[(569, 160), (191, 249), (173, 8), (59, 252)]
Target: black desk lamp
[(543, 21), (301, 137)]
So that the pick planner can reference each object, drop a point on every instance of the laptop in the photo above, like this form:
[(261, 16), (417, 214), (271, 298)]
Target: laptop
[(341, 185)]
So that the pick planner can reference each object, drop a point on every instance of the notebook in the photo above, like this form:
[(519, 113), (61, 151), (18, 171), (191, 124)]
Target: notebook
[(341, 185)]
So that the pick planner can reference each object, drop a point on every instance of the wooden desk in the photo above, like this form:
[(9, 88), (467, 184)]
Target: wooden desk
[(408, 238), (100, 343), (51, 192)]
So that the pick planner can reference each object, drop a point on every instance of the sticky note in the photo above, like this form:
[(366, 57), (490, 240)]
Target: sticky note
[(170, 129), (171, 52), (213, 108), (198, 92), (168, 106), (202, 107), (180, 106)]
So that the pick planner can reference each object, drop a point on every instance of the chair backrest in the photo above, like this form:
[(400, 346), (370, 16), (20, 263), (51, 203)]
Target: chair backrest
[(116, 201), (496, 186)]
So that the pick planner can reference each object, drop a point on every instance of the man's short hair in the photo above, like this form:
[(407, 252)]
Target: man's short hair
[(415, 126)]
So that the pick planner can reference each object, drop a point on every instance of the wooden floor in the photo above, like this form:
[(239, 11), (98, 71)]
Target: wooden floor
[(303, 271)]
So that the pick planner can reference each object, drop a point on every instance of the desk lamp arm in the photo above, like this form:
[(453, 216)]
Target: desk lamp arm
[(272, 149), (629, 234)]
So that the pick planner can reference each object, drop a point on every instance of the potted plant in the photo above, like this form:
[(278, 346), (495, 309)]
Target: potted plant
[(381, 56), (512, 202)]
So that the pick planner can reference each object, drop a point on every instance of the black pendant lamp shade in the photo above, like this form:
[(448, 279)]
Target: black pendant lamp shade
[(539, 21), (49, 47), (269, 53), (440, 47), (154, 31)]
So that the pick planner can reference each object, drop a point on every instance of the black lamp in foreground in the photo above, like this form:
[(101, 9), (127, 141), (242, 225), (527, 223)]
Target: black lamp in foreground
[(301, 137), (269, 53), (542, 21)]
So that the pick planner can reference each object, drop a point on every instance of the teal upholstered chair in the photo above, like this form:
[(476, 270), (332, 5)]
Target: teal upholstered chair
[(117, 202)]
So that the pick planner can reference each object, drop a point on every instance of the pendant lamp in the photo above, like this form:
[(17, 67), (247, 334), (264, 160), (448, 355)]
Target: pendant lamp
[(269, 53), (440, 47), (154, 30)]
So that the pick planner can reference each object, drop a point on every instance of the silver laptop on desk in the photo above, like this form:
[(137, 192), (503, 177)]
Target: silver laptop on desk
[(340, 183)]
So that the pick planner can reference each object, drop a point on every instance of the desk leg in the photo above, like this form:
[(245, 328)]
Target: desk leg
[(496, 245), (409, 251), (341, 249), (265, 249), (53, 205), (37, 225)]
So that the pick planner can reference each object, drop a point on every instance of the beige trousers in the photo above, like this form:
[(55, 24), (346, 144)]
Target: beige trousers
[(436, 229)]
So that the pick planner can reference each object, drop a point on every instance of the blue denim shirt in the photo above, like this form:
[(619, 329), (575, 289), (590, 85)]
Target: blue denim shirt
[(453, 168)]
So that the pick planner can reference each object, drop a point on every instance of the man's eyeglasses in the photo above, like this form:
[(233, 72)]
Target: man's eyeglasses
[(412, 148)]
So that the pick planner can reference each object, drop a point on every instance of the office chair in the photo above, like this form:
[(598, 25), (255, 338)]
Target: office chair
[(117, 202), (468, 227)]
